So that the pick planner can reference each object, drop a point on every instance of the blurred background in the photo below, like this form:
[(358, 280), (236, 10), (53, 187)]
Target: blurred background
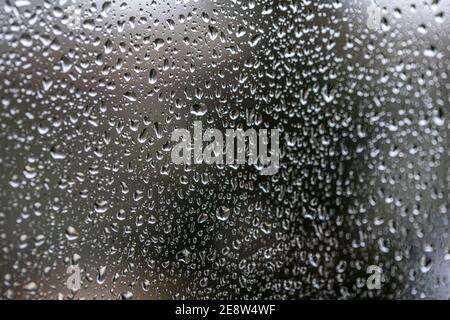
[(91, 91)]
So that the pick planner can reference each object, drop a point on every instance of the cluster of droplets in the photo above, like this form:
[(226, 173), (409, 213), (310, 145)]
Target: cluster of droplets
[(86, 117)]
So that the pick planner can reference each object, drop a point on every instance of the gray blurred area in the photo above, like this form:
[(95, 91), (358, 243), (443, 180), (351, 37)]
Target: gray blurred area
[(91, 91)]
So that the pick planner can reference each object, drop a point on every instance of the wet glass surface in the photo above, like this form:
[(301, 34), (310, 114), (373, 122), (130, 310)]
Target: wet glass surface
[(91, 92)]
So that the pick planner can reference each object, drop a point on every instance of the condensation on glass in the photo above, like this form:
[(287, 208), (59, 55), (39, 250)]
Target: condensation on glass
[(91, 91)]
